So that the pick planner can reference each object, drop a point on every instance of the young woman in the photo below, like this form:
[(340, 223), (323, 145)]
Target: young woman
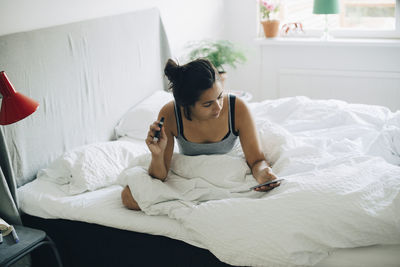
[(203, 120)]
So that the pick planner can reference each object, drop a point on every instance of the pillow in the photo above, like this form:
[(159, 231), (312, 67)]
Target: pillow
[(135, 123), (92, 166)]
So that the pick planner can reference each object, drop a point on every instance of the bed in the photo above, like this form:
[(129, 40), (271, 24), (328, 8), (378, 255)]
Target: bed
[(100, 82)]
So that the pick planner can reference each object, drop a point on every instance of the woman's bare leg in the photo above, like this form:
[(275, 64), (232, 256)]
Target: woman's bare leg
[(128, 200)]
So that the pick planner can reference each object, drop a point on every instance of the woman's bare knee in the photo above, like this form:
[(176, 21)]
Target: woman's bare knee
[(128, 200)]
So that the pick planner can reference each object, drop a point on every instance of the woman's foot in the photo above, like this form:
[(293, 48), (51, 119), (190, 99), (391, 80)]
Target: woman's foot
[(128, 200)]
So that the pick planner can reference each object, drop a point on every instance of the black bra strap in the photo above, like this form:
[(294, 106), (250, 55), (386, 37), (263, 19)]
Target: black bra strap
[(179, 119), (232, 100)]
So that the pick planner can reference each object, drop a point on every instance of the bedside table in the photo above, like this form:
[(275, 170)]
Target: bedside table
[(29, 240)]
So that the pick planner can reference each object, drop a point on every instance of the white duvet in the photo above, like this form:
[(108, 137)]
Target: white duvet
[(341, 188), (352, 202)]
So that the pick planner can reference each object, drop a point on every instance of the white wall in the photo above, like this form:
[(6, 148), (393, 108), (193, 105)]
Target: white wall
[(184, 20), (241, 28), (188, 20), (355, 71)]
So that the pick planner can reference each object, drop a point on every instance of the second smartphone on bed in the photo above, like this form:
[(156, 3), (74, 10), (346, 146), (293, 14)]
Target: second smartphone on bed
[(266, 183)]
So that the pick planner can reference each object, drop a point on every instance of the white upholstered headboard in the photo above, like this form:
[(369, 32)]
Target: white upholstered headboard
[(85, 76)]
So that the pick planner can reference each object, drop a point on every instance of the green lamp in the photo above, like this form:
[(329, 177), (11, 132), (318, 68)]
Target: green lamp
[(326, 7)]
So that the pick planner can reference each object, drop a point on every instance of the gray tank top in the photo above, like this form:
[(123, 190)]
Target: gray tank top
[(221, 147)]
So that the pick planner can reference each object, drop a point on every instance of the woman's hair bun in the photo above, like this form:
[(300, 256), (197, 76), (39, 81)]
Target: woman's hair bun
[(173, 72)]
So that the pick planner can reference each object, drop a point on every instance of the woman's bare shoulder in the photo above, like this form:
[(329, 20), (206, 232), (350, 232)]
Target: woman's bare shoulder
[(168, 108), (241, 107), (242, 113)]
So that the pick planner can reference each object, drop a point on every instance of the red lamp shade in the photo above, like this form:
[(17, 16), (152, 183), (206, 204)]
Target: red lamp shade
[(15, 106)]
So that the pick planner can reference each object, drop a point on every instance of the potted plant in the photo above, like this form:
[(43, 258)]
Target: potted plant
[(269, 8), (221, 53)]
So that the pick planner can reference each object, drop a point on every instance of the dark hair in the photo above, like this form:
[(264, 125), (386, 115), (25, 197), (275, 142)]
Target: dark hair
[(188, 82)]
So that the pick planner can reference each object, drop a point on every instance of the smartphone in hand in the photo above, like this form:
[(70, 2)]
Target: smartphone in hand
[(157, 134), (266, 183)]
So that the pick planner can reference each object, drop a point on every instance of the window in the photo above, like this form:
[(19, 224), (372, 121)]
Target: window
[(357, 18)]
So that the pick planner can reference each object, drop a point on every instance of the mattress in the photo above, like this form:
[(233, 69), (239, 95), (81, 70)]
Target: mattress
[(104, 207)]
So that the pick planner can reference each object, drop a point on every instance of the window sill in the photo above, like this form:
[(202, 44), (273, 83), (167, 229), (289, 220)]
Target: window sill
[(308, 41)]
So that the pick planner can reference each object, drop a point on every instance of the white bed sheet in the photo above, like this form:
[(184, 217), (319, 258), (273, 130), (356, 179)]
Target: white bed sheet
[(104, 207), (46, 200), (373, 256)]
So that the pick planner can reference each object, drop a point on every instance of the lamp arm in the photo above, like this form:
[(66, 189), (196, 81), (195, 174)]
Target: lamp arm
[(8, 196)]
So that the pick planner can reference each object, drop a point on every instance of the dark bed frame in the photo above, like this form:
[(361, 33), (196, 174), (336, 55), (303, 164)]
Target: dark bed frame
[(84, 244)]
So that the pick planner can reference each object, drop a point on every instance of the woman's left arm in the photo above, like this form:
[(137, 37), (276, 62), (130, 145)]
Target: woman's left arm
[(248, 136)]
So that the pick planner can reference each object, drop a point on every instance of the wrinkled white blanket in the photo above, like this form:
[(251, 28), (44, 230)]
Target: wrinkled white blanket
[(341, 188), (191, 181), (354, 202)]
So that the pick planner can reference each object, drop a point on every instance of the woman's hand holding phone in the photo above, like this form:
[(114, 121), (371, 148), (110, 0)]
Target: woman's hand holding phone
[(263, 177), (156, 138)]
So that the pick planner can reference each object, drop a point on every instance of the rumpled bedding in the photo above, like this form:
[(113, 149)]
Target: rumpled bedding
[(341, 187), (354, 201), (340, 163), (191, 181)]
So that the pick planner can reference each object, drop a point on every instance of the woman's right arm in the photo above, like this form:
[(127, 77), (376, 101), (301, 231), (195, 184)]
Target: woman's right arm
[(162, 150)]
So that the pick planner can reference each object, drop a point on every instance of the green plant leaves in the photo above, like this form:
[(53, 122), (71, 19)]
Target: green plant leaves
[(220, 52)]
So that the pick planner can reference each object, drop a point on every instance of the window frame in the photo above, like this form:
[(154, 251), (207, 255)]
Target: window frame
[(357, 33)]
